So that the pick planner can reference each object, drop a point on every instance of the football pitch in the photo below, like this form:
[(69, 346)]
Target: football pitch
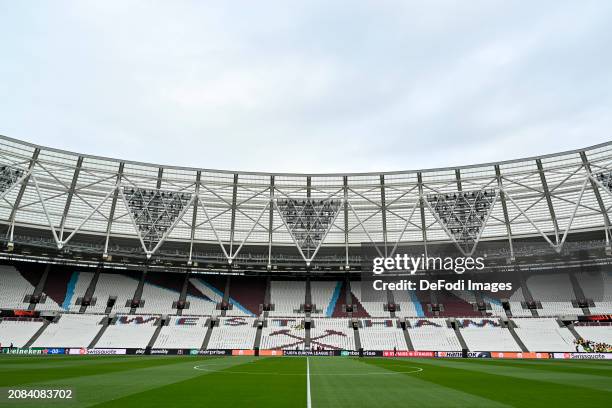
[(137, 381)]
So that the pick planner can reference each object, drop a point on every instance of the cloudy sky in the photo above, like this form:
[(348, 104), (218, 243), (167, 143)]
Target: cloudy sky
[(307, 86)]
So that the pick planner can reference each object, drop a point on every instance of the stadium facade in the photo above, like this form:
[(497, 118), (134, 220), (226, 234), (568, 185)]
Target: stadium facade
[(68, 207)]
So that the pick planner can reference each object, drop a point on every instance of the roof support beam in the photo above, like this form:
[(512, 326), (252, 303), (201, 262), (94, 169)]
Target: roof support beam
[(383, 211), (270, 223), (22, 189), (502, 197), (308, 195), (346, 228), (194, 216), (548, 199), (233, 220), (458, 178), (160, 175), (422, 205), (75, 177), (111, 215), (602, 207)]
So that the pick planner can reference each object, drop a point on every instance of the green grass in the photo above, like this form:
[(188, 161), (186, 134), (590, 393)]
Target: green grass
[(136, 381)]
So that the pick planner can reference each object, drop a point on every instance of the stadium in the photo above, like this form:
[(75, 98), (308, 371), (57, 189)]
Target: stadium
[(125, 282)]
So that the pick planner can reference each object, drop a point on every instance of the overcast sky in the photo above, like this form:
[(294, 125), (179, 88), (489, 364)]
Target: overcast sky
[(307, 86)]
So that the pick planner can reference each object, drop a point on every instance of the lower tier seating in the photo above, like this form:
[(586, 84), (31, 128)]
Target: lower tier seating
[(485, 334), (332, 334), (182, 332), (433, 334), (595, 333), (71, 330), (129, 332), (233, 333), (540, 334), (381, 334), (18, 331), (283, 333)]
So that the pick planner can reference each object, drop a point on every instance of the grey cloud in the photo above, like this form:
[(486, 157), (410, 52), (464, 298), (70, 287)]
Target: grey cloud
[(308, 86)]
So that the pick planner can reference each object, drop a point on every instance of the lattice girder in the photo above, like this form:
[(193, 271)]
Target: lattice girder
[(605, 178), (463, 214), (308, 220), (154, 212), (8, 177)]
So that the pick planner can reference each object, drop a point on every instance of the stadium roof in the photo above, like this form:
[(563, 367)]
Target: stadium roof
[(71, 196)]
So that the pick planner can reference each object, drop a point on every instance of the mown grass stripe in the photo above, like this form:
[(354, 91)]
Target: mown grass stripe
[(574, 379), (222, 388), (398, 390), (604, 370), (95, 389), (279, 382), (31, 375), (493, 383)]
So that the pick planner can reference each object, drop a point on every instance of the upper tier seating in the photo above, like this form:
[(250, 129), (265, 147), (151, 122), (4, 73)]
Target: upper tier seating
[(598, 288), (201, 307), (16, 284), (601, 307), (518, 311), (596, 285), (205, 293), (554, 287), (249, 292), (558, 309), (555, 292), (287, 296), (121, 286), (322, 293), (409, 305), (13, 288), (373, 301), (455, 305), (515, 304), (157, 300), (80, 288), (496, 306), (203, 299)]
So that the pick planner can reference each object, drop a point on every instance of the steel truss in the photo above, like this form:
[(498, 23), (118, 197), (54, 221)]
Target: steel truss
[(155, 213), (68, 194), (308, 221), (463, 215), (9, 176)]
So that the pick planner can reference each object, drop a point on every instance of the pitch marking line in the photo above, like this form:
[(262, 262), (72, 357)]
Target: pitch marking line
[(308, 403)]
